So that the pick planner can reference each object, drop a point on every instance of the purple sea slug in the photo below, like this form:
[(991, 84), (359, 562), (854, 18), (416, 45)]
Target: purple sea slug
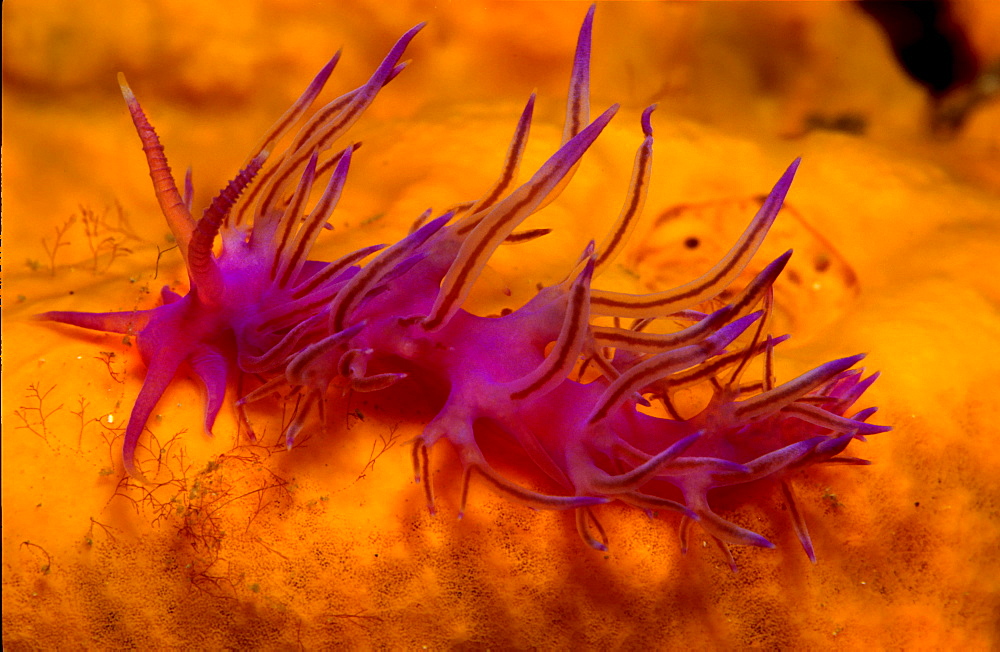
[(552, 388)]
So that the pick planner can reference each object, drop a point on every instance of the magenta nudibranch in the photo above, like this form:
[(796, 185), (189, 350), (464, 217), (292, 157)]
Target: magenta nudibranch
[(575, 389)]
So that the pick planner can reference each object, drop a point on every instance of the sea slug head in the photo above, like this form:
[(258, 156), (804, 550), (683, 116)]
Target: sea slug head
[(242, 301)]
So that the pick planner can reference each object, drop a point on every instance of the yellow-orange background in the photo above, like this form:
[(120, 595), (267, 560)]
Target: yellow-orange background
[(280, 550)]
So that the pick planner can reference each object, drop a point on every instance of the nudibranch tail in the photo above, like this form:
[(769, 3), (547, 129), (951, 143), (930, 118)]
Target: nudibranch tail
[(553, 403)]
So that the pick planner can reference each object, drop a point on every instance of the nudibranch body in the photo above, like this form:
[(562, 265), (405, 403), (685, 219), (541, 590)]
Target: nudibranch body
[(559, 378)]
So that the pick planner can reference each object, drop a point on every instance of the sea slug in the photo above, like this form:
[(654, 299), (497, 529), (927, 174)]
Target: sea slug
[(553, 387)]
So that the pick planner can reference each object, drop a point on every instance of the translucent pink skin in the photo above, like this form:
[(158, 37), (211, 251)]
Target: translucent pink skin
[(260, 307)]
